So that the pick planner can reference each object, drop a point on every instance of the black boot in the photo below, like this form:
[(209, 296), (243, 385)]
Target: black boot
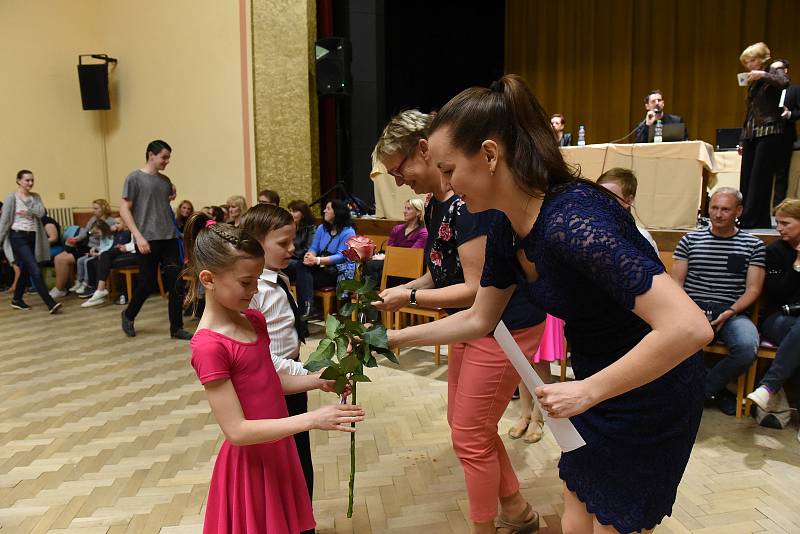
[(307, 311)]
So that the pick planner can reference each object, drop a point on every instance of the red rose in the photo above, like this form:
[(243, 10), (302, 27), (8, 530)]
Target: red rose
[(436, 258), (359, 248), (445, 232)]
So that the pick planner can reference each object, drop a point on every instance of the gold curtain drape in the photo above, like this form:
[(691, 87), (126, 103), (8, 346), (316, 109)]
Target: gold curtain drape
[(594, 60)]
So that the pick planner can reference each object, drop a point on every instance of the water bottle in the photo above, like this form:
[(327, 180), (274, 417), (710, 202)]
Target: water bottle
[(581, 135), (658, 135)]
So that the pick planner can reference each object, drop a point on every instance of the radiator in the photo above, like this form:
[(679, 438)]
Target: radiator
[(62, 215)]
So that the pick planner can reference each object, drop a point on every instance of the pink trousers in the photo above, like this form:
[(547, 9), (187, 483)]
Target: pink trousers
[(481, 381)]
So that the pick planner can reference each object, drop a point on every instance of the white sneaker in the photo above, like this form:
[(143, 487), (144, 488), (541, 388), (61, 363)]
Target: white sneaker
[(76, 286), (760, 396), (58, 293), (98, 298)]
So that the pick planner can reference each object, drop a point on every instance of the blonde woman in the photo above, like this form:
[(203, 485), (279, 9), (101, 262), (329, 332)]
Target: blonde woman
[(782, 308), (761, 142), (237, 205), (411, 233), (79, 246)]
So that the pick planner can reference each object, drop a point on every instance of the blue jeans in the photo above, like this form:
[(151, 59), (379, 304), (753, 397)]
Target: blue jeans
[(741, 337), (23, 244), (784, 331)]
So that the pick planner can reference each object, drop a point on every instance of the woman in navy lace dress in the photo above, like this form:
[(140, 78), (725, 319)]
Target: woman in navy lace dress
[(638, 394)]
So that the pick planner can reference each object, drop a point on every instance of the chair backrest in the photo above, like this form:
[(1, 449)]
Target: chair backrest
[(403, 263), (666, 259)]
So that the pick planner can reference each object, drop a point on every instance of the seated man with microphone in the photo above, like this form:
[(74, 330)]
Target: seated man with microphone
[(654, 104)]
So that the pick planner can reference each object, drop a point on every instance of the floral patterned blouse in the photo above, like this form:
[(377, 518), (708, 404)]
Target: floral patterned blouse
[(449, 226)]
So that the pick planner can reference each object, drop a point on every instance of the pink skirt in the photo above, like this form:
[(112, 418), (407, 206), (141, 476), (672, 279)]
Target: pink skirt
[(552, 346)]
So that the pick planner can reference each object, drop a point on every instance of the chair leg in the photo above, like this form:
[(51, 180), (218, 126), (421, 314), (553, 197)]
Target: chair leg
[(396, 317), (740, 382), (129, 284), (751, 384), (437, 355), (326, 306), (564, 368)]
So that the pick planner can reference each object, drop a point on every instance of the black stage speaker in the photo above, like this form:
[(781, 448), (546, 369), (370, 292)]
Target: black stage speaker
[(333, 66), (94, 86)]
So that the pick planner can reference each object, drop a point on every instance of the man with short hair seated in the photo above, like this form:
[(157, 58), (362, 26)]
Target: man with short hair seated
[(722, 269), (654, 111)]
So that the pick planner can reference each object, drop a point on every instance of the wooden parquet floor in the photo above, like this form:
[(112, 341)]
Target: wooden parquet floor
[(104, 434)]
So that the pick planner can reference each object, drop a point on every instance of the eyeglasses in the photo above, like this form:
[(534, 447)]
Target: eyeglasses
[(397, 172)]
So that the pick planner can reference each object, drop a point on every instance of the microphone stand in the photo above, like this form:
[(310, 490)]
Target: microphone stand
[(360, 206)]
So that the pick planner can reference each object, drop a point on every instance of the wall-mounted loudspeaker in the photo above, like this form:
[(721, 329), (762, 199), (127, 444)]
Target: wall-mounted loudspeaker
[(333, 66), (94, 86)]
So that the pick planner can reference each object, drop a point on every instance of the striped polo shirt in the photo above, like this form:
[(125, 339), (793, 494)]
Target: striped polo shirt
[(718, 265)]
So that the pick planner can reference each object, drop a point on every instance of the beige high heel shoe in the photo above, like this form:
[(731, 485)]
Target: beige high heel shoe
[(535, 427), (518, 430)]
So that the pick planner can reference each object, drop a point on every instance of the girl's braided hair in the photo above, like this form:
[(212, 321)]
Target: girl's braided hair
[(214, 247)]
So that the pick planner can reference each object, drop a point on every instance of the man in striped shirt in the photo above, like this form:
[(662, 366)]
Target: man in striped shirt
[(722, 269)]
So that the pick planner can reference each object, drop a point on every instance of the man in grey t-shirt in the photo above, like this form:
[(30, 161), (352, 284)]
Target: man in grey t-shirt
[(145, 208)]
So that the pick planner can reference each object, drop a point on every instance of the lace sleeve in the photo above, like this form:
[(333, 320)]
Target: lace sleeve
[(499, 261), (593, 235)]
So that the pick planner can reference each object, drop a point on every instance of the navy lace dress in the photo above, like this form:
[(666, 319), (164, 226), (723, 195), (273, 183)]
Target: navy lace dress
[(592, 262)]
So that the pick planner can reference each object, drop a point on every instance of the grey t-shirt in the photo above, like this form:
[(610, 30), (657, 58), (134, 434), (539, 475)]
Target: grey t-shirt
[(151, 210)]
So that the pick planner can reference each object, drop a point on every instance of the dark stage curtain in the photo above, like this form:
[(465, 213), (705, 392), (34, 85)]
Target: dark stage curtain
[(594, 60)]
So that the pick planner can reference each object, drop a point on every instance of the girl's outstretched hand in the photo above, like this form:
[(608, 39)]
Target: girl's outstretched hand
[(337, 417)]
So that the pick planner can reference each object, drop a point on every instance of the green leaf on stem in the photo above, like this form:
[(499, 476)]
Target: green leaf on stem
[(354, 327), (372, 296), (350, 364), (367, 286), (332, 372), (388, 353), (371, 314), (331, 326), (347, 309), (342, 343), (371, 362), (325, 351), (376, 336), (361, 378), (349, 285), (315, 365)]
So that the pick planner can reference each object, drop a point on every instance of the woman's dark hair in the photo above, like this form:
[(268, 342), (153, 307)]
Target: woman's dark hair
[(262, 219), (272, 196), (155, 147), (298, 205), (219, 214), (341, 216), (511, 115), (214, 248), (22, 173)]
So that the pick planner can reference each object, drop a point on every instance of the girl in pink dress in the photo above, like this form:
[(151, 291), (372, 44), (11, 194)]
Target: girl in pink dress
[(257, 486)]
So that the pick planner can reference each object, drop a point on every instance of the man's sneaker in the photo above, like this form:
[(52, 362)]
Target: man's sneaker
[(122, 300), (85, 292), (58, 293), (760, 396), (19, 305), (127, 326), (181, 334), (98, 298), (55, 307), (76, 286)]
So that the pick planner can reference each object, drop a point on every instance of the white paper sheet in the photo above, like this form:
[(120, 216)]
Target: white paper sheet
[(783, 100), (564, 432)]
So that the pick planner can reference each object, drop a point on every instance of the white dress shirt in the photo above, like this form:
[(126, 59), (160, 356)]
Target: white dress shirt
[(272, 301)]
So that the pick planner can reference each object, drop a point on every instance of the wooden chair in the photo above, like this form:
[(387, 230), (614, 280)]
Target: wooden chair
[(379, 240), (408, 263), (128, 273)]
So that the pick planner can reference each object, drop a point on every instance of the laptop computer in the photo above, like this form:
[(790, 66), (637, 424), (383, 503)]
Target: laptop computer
[(669, 132), (727, 139)]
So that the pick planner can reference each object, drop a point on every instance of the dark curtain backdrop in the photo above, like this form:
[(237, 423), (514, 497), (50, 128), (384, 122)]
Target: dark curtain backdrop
[(594, 60)]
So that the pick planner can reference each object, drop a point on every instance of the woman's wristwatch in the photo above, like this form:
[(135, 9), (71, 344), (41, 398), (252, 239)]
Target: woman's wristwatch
[(796, 267), (412, 298)]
